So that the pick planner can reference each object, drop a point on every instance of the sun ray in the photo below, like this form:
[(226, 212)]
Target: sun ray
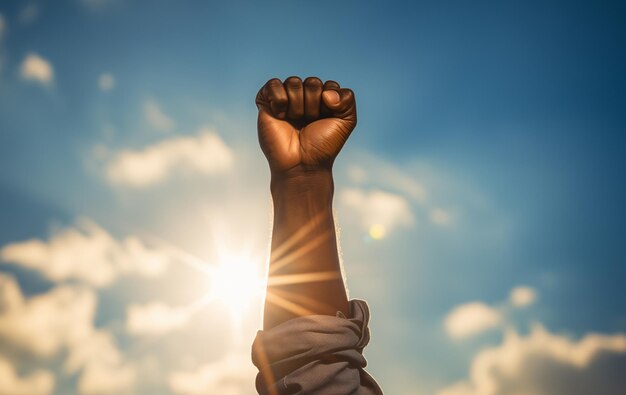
[(184, 256), (297, 236), (303, 278), (292, 256), (296, 303), (233, 281), (266, 371), (288, 305)]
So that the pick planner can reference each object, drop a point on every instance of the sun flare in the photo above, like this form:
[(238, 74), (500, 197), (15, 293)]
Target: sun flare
[(236, 283)]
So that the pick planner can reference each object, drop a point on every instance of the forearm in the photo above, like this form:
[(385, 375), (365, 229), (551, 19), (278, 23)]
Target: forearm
[(304, 273)]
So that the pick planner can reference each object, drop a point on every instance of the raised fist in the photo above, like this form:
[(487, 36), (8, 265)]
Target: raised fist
[(303, 125)]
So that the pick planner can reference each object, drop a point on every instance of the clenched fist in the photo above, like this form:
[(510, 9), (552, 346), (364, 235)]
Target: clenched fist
[(303, 125)]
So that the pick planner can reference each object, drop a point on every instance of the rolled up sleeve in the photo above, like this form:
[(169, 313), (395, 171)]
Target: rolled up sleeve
[(316, 354)]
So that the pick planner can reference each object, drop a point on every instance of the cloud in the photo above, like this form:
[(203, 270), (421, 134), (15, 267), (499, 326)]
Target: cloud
[(155, 319), (404, 182), (522, 296), (441, 217), (156, 117), (104, 370), (37, 69), (40, 382), (205, 153), (231, 375), (379, 211), (45, 323), (417, 183), (106, 82), (62, 320), (543, 363), (471, 319), (87, 253), (380, 172), (357, 174)]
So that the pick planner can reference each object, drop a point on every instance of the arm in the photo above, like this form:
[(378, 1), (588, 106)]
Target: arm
[(305, 274), (305, 346), (302, 127)]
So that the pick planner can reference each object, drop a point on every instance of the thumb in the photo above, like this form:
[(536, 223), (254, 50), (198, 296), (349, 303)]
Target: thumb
[(331, 99), (340, 103)]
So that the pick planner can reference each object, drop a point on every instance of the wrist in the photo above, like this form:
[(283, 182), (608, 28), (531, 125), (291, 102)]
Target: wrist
[(316, 185)]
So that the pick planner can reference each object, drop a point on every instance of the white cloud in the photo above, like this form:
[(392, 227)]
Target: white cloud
[(87, 253), (470, 319), (357, 174), (522, 296), (62, 320), (543, 363), (37, 69), (231, 375), (205, 153), (441, 217), (155, 318), (106, 82), (104, 370), (156, 118), (379, 210), (45, 323), (40, 382), (404, 183), (367, 167)]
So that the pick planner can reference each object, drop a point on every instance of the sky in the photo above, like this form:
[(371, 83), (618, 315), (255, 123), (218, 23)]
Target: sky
[(480, 201)]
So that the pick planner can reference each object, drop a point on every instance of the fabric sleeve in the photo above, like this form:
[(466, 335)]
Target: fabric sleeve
[(318, 354)]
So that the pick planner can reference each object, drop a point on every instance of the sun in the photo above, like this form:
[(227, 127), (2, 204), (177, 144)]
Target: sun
[(236, 283), (232, 280)]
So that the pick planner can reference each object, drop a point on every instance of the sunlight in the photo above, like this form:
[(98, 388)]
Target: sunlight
[(236, 283)]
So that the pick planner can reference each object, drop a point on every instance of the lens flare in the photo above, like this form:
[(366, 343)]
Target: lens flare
[(235, 282)]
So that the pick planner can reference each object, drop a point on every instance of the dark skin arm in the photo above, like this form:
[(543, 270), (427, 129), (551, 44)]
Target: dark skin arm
[(302, 126)]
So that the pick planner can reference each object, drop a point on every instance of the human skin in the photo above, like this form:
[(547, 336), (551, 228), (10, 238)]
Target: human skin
[(302, 127)]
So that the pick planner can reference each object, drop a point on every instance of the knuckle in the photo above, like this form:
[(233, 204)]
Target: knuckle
[(349, 93), (279, 101), (293, 82), (313, 82), (273, 83), (259, 96)]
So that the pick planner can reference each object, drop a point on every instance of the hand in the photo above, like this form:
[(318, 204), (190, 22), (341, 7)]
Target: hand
[(303, 126)]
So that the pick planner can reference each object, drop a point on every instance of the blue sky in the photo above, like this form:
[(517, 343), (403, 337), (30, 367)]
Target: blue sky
[(489, 151)]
